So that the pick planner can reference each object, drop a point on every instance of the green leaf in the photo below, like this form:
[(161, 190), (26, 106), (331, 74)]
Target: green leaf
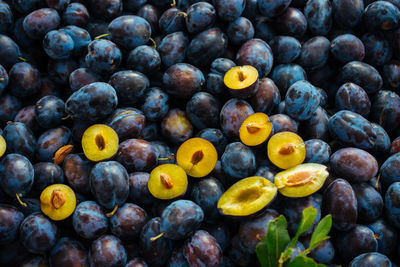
[(269, 249), (303, 261), (321, 232), (307, 219)]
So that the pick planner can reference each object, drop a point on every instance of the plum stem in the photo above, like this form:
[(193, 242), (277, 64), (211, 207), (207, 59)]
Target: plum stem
[(171, 157), (154, 43), (20, 201), (101, 36), (182, 13), (66, 117), (110, 214), (173, 3), (157, 237), (22, 59)]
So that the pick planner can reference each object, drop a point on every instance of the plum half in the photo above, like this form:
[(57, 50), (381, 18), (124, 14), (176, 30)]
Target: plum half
[(167, 181), (255, 129), (242, 81)]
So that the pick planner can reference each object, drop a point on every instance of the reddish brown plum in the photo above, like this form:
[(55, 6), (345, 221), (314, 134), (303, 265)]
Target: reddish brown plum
[(137, 155), (267, 97), (202, 249), (68, 252), (176, 127), (283, 123), (232, 115), (76, 171), (128, 221)]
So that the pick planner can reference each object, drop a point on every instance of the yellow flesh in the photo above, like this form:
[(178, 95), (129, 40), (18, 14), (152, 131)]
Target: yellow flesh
[(197, 157), (2, 145), (240, 77), (286, 150), (255, 129), (57, 201), (99, 142), (302, 180), (167, 181), (247, 196)]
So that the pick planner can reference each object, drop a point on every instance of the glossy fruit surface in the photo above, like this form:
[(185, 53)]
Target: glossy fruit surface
[(99, 142), (202, 249), (107, 250), (89, 220), (167, 181), (57, 201), (67, 252), (128, 221), (247, 196), (238, 160), (11, 219), (370, 259)]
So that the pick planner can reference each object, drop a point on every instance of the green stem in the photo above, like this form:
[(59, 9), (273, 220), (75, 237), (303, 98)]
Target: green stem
[(101, 36)]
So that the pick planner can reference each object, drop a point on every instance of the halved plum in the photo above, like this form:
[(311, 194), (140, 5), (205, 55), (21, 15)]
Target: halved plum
[(246, 197)]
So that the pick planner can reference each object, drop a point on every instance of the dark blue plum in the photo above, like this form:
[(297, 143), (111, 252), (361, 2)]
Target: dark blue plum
[(89, 220), (391, 75), (59, 5), (267, 172), (162, 247), (386, 109), (381, 15), (128, 221), (180, 218), (145, 59), (251, 10), (392, 204), (347, 13), (386, 236), (20, 139), (202, 249), (127, 123), (182, 80), (177, 258), (382, 143), (16, 175), (49, 111), (206, 194), (46, 173), (378, 50), (40, 22), (13, 254), (390, 170), (314, 53), (81, 39), (135, 262), (11, 219), (267, 97), (76, 170), (50, 141), (200, 16), (369, 202), (176, 127), (352, 97), (282, 123), (301, 100), (238, 160), (371, 259), (172, 20), (68, 252), (6, 17), (264, 29), (59, 70), (352, 129), (172, 48), (92, 102), (97, 27), (229, 10), (109, 184), (26, 6), (291, 22), (357, 241), (203, 110), (138, 190), (130, 85), (81, 77), (9, 106), (317, 126), (155, 104), (32, 205), (317, 151), (58, 44), (215, 79), (240, 31), (285, 49), (75, 14), (258, 54), (105, 9), (3, 79), (206, 46), (285, 75), (37, 233), (107, 250), (270, 8), (129, 31), (216, 137), (347, 47), (237, 253), (152, 14), (232, 115), (9, 53), (103, 56), (319, 16), (340, 201), (24, 80)]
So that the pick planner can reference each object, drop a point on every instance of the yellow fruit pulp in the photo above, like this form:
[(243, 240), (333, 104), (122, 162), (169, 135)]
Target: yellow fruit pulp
[(3, 146), (197, 157), (302, 180), (255, 129), (99, 142), (57, 201), (286, 150), (167, 181), (240, 77), (247, 196)]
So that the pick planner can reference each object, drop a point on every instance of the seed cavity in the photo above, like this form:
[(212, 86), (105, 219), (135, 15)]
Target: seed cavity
[(57, 199), (254, 127), (241, 76), (101, 144), (249, 194), (197, 157), (287, 149), (300, 178)]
